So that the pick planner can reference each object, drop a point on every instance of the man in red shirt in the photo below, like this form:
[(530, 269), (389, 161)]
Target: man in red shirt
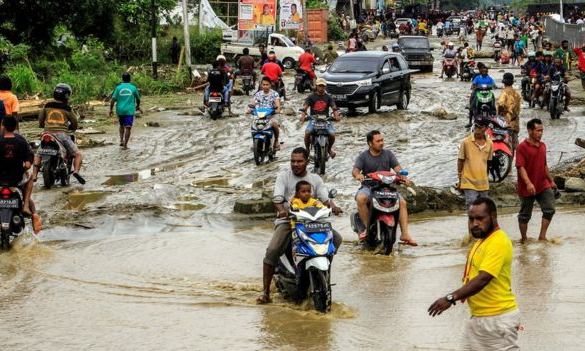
[(306, 62), (581, 55), (534, 180), (272, 70)]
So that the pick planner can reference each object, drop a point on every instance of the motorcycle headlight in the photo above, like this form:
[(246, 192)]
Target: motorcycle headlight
[(363, 83), (320, 249), (305, 237), (261, 114)]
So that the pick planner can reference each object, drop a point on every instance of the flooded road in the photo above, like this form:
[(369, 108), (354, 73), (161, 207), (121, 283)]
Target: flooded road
[(149, 255)]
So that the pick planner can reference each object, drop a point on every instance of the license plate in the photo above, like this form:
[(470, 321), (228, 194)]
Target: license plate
[(214, 99), (47, 152), (320, 126), (339, 97), (8, 203), (316, 227), (385, 195)]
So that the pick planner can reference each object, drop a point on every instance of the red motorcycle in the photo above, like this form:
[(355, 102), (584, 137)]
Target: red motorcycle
[(502, 157), (450, 67)]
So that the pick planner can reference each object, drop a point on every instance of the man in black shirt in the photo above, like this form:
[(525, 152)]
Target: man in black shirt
[(320, 102), (16, 158), (217, 79), (558, 72)]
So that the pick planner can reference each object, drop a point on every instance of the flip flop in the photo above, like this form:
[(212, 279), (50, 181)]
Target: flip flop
[(78, 177), (409, 242), (362, 236)]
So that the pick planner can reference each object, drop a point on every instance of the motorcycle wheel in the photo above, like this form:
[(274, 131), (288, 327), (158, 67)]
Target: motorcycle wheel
[(5, 241), (388, 240), (48, 177), (258, 151), (321, 290), (552, 108), (300, 88), (501, 165), (322, 159), (64, 176)]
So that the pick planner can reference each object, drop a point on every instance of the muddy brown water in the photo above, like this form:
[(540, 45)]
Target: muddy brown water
[(116, 277)]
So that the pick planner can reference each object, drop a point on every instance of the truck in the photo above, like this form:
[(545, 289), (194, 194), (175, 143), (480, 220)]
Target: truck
[(283, 47)]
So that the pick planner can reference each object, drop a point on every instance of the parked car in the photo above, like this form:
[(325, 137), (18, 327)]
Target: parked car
[(369, 78), (417, 52), (282, 46)]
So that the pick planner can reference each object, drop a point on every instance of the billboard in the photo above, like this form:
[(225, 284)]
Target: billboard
[(291, 14), (256, 14)]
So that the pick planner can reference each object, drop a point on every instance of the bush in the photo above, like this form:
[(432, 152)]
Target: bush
[(205, 47), (24, 81), (334, 30)]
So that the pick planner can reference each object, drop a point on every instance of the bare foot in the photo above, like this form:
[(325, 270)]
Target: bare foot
[(37, 223), (276, 146), (263, 299), (523, 240), (542, 239), (332, 154)]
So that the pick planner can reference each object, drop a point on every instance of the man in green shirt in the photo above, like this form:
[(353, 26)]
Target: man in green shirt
[(127, 99), (564, 54)]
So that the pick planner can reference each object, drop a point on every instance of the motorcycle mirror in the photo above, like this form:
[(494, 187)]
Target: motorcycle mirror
[(332, 193), (279, 199), (403, 172), (34, 144)]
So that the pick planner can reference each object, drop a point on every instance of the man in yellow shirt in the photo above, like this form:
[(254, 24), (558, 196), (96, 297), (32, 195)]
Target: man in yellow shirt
[(474, 153), (266, 17), (487, 284)]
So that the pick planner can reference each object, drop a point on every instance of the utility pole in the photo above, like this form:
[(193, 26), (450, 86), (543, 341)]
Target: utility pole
[(351, 9), (561, 12), (153, 13), (305, 23), (187, 39)]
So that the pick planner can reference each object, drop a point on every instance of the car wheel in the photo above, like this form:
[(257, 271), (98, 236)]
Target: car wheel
[(374, 102), (288, 63), (403, 101)]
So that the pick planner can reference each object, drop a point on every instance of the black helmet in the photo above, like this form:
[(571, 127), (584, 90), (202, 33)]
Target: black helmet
[(62, 92)]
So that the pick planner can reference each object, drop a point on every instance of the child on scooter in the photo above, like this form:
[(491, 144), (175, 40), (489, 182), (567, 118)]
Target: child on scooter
[(302, 198)]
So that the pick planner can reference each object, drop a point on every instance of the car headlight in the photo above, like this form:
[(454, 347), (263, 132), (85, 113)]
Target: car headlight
[(363, 83)]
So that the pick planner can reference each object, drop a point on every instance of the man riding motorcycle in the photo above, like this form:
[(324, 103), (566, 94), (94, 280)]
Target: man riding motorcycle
[(450, 53), (376, 158), (268, 98), (272, 71), (320, 102), (57, 118), (217, 81), (285, 186), (245, 64), (530, 66), (230, 80), (306, 62), (479, 80), (556, 73)]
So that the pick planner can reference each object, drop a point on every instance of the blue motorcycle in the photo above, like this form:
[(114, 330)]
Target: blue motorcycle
[(305, 269), (262, 134)]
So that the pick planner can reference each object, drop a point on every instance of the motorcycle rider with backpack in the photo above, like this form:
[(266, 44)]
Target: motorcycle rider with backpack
[(57, 118), (217, 81), (320, 102)]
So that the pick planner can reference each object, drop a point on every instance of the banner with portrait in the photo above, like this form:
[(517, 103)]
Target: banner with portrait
[(291, 14), (256, 14)]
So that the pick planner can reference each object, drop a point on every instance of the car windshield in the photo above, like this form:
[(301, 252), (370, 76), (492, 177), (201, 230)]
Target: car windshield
[(414, 43), (288, 42), (353, 65)]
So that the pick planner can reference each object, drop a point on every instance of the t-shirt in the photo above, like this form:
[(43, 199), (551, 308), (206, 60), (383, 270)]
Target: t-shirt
[(58, 117), (266, 100), (556, 73), (286, 183), (305, 61), (246, 62), (481, 80), (519, 46), (13, 153), (564, 55), (126, 96), (492, 255), (474, 175), (533, 159), (10, 102), (368, 163), (297, 203), (272, 70), (320, 104), (217, 79)]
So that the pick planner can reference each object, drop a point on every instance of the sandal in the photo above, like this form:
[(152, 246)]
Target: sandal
[(362, 236), (263, 299), (409, 242), (78, 177)]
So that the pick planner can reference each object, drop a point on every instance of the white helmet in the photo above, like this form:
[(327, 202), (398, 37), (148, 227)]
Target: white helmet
[(220, 57)]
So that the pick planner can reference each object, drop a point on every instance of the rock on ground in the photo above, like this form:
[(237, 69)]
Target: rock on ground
[(573, 184)]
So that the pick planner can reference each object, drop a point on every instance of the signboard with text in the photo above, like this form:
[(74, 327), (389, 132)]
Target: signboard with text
[(291, 14), (256, 14)]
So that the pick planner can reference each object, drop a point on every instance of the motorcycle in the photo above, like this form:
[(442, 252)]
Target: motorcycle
[(216, 102), (262, 134), (303, 81), (320, 141), (56, 163), (278, 86), (556, 98), (502, 156), (367, 34), (450, 68), (247, 82), (440, 32), (528, 89), (11, 218), (485, 103), (384, 211), (468, 70), (305, 269)]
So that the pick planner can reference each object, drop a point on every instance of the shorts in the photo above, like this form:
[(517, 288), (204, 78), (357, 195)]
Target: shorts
[(492, 332), (546, 200), (64, 139), (126, 120), (311, 127)]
